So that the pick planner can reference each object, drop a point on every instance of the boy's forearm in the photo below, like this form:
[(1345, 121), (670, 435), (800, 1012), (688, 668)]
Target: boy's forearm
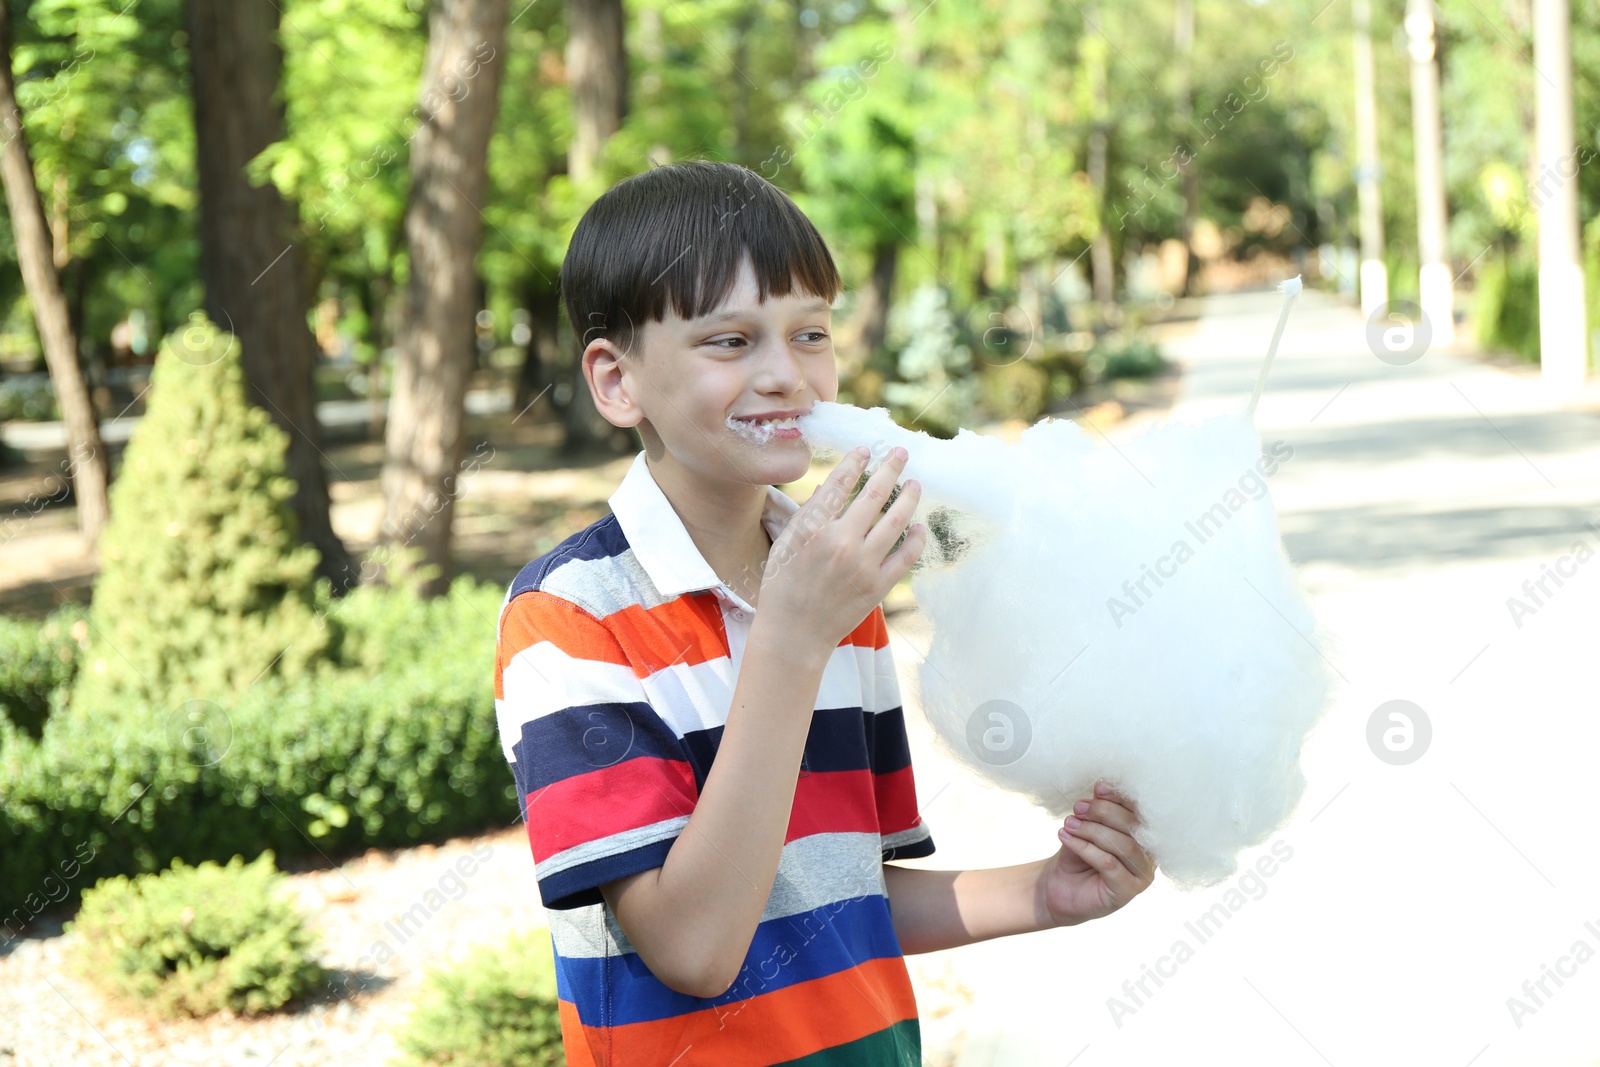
[(715, 881), (935, 910)]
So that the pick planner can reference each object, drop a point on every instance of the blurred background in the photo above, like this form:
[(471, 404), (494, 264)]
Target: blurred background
[(287, 398)]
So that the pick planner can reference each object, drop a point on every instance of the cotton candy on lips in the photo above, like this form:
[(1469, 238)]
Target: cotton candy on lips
[(1123, 612)]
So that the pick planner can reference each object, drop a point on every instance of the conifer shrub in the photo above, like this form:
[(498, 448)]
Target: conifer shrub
[(197, 940), (203, 587), (37, 663), (495, 1009)]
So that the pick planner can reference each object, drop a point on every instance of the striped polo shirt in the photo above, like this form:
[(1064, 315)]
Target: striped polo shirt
[(616, 660)]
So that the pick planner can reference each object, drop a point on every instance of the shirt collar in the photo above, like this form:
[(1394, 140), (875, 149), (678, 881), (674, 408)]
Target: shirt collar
[(660, 541)]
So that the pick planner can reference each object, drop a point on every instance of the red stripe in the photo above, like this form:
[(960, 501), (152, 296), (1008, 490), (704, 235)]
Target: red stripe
[(896, 800), (832, 802), (606, 801)]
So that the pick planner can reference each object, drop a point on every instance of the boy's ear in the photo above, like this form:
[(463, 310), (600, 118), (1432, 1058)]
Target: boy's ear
[(611, 388)]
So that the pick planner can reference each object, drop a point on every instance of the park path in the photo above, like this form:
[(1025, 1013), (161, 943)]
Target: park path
[(1417, 899)]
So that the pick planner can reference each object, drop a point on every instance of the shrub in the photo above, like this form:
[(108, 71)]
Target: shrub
[(496, 1009), (1119, 357), (407, 753), (1019, 390), (28, 398), (37, 662), (936, 386), (1507, 306), (204, 586), (197, 940)]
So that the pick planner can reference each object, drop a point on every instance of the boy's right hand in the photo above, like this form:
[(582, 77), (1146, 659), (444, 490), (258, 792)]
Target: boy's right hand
[(832, 565)]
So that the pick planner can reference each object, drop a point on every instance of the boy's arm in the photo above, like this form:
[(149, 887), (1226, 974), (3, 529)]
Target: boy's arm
[(693, 918), (1099, 868)]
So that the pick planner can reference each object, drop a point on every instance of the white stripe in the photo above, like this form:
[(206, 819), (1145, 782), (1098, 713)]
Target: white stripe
[(601, 847), (542, 679), (813, 872)]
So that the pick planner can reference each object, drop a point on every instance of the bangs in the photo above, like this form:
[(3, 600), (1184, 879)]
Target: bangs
[(674, 237)]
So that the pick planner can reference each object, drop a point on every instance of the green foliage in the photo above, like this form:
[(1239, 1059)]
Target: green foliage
[(27, 398), (204, 588), (936, 387), (495, 1009), (1508, 306), (37, 663), (197, 940), (1118, 356), (1019, 390), (384, 747)]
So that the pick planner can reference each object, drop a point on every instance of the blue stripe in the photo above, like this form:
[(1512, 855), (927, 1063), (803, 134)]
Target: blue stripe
[(785, 952), (580, 885), (589, 737), (583, 738), (599, 540)]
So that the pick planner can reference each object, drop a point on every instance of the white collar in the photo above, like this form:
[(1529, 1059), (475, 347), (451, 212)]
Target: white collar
[(660, 541)]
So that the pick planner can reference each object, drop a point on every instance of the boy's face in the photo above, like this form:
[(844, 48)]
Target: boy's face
[(696, 379)]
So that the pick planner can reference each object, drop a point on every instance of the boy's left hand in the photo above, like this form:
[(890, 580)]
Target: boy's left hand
[(1100, 866)]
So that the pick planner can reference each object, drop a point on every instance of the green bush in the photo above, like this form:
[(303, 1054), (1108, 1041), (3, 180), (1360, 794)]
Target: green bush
[(1019, 390), (197, 940), (1507, 306), (1123, 357), (37, 662), (496, 1009), (204, 586), (401, 749)]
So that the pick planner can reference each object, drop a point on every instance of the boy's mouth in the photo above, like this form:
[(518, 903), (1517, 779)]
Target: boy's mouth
[(760, 431)]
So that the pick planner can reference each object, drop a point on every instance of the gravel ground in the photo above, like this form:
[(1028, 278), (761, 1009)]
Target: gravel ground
[(49, 1016)]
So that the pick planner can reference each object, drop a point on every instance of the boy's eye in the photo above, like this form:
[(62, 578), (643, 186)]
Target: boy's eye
[(721, 341), (818, 335)]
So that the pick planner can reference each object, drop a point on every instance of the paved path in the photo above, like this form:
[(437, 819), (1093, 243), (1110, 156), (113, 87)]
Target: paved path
[(331, 415), (1417, 899)]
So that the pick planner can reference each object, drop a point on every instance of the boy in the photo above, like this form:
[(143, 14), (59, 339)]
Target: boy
[(711, 791)]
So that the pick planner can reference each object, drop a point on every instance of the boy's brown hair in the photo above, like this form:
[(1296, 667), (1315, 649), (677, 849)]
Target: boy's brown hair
[(676, 233)]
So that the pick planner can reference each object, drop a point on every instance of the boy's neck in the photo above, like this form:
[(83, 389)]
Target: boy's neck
[(724, 522)]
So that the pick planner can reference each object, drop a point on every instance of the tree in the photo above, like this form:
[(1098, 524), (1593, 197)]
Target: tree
[(597, 70), (255, 285), (87, 457), (204, 590), (443, 227)]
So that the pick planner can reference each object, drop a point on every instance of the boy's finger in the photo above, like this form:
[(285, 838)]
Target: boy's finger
[(834, 491), (862, 516)]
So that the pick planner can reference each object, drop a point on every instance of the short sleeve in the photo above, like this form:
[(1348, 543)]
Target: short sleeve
[(903, 833), (604, 783)]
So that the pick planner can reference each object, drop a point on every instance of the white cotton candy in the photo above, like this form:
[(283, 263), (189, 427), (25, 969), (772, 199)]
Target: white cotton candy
[(1121, 611)]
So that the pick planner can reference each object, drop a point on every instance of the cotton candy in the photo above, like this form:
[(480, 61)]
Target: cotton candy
[(1125, 612)]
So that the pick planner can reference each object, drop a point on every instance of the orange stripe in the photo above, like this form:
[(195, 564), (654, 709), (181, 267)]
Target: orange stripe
[(573, 1040), (770, 1028), (687, 629)]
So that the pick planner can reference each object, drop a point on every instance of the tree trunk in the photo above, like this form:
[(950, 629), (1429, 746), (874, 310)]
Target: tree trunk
[(544, 345), (436, 342), (597, 71), (875, 302), (253, 274), (85, 451)]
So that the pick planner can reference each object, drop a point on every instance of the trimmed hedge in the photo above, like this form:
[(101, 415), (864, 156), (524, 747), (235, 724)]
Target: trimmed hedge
[(395, 744), (198, 940), (37, 664), (495, 1009)]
